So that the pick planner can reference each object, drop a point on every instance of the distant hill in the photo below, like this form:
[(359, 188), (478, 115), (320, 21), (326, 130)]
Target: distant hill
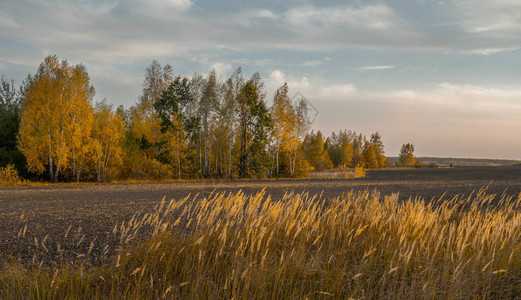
[(462, 162)]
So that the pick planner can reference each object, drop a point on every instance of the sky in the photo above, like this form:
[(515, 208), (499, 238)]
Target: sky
[(443, 75)]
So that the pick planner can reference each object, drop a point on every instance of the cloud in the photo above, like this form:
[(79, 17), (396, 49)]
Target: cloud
[(268, 14), (491, 26), (312, 63), (490, 16), (376, 67), (370, 17), (369, 26), (7, 21), (222, 69), (489, 51)]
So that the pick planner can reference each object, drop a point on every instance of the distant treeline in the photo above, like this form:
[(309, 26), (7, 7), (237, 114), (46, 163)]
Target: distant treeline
[(180, 127), (462, 162)]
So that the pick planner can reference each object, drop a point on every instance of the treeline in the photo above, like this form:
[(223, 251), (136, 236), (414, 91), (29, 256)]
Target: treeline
[(180, 127)]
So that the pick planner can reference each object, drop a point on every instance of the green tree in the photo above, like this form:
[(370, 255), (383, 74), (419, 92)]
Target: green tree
[(317, 155), (406, 156), (171, 109), (10, 101), (145, 123), (254, 123), (340, 149)]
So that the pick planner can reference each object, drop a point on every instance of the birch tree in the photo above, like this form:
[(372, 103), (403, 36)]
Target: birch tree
[(108, 136), (49, 127), (146, 125), (284, 126)]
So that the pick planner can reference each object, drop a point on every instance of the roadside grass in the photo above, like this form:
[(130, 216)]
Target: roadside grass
[(360, 245)]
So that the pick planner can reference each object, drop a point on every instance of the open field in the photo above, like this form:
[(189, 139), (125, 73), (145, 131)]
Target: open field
[(362, 244), (92, 210)]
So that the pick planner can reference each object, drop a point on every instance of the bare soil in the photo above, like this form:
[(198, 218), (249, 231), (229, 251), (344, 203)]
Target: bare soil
[(90, 211)]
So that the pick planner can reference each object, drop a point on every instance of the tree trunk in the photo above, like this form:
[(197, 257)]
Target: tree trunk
[(51, 179), (277, 160), (178, 157)]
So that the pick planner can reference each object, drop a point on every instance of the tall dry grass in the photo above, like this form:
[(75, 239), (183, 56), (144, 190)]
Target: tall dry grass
[(361, 245)]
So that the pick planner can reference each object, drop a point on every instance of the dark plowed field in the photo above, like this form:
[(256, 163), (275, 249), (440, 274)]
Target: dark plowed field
[(88, 213)]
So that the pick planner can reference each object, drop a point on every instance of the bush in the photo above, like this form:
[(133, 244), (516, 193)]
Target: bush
[(150, 168), (358, 172), (9, 176)]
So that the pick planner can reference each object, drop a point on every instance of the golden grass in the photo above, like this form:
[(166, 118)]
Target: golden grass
[(357, 246), (357, 172)]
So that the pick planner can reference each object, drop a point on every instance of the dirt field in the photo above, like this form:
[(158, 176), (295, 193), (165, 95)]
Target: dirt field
[(89, 212)]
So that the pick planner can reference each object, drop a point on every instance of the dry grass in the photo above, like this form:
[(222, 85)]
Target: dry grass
[(358, 246), (357, 172)]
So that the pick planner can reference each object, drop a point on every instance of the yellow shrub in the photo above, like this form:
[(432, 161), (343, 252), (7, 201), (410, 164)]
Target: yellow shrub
[(9, 176)]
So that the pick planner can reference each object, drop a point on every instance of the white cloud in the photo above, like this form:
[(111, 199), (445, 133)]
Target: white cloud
[(7, 21), (468, 90), (176, 5), (483, 17), (370, 16), (222, 69), (312, 63), (268, 14), (376, 67), (489, 51)]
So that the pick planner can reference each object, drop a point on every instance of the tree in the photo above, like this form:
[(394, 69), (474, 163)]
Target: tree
[(406, 156), (317, 155), (54, 108), (284, 126), (340, 149), (376, 141), (207, 108), (108, 136), (10, 101), (369, 157), (171, 109), (81, 114), (226, 123), (254, 123), (145, 123)]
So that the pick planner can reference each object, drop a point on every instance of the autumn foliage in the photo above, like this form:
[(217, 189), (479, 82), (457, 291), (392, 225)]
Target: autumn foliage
[(180, 127)]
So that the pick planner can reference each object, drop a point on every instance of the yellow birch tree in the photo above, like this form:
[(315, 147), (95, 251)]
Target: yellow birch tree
[(50, 126), (107, 135)]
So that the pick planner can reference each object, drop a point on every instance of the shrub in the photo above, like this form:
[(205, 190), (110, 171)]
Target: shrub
[(150, 168), (358, 172), (9, 176)]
